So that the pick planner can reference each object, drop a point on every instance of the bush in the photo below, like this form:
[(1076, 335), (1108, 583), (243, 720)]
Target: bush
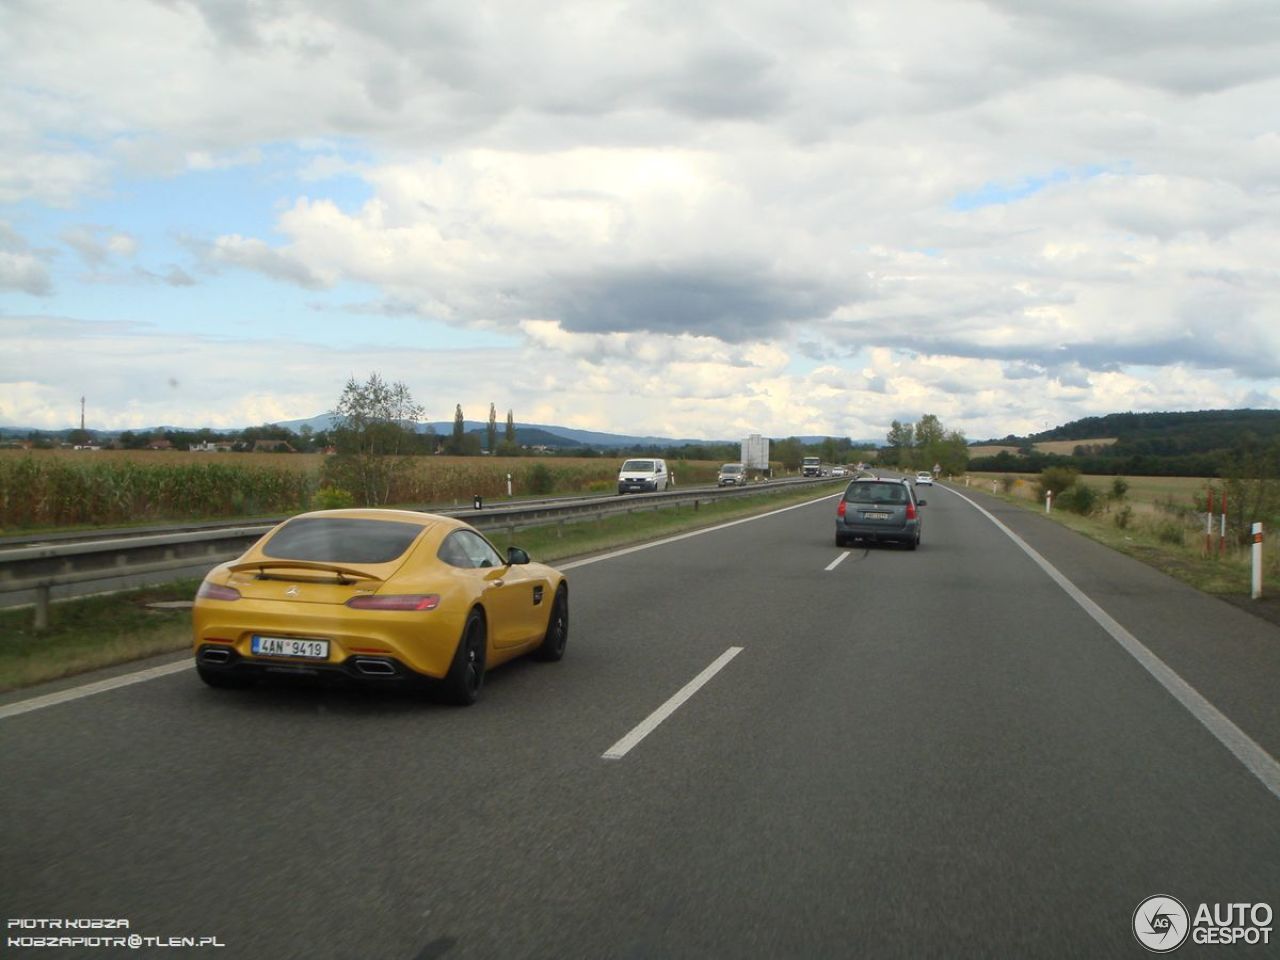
[(1057, 479), (539, 479), (1169, 532), (1007, 482), (1123, 517), (332, 498), (1078, 498), (1119, 488)]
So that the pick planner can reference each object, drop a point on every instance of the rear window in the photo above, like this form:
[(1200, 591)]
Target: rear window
[(638, 466), (876, 493), (341, 540)]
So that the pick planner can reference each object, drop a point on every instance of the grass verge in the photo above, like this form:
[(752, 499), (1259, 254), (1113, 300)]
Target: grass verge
[(94, 632), (1171, 541)]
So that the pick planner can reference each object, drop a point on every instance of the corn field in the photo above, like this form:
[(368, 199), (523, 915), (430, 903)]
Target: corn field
[(43, 489)]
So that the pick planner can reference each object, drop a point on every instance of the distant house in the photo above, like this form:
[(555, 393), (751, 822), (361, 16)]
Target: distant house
[(210, 446), (160, 443), (272, 446)]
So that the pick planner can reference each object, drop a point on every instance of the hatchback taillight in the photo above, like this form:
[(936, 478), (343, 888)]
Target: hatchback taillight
[(911, 510), (216, 591), (840, 509), (402, 601)]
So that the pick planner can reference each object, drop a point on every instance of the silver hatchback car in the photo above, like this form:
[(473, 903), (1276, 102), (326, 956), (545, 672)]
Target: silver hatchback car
[(875, 509)]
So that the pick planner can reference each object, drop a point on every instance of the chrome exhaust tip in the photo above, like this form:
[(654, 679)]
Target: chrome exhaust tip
[(374, 668)]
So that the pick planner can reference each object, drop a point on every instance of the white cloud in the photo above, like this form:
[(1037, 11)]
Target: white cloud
[(998, 211)]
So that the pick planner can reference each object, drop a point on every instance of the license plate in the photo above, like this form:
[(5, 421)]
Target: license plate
[(290, 647), (876, 516)]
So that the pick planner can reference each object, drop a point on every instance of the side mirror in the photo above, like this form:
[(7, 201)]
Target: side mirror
[(516, 556)]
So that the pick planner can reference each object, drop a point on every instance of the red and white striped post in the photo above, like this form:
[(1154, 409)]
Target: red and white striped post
[(1256, 590)]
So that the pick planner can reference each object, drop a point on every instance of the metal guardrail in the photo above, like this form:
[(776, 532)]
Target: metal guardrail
[(38, 570)]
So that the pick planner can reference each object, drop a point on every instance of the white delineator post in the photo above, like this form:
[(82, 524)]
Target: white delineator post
[(1048, 501), (1256, 592), (508, 484)]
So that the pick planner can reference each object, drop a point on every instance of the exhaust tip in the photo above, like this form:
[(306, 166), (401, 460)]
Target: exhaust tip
[(215, 655), (374, 668)]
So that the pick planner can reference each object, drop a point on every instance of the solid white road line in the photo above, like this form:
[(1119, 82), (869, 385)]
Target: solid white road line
[(101, 686), (650, 723), (692, 533), (89, 689), (836, 562), (1245, 749)]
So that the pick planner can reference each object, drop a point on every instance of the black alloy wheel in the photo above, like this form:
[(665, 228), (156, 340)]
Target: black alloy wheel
[(461, 686), (557, 635)]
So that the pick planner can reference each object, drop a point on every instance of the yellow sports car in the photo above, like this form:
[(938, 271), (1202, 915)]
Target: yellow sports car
[(377, 595)]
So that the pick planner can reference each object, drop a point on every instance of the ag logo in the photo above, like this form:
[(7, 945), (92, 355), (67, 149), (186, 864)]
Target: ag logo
[(1161, 923)]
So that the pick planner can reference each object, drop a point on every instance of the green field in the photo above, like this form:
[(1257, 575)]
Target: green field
[(1160, 521)]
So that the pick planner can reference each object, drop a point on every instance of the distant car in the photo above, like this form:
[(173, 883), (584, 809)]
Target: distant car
[(837, 471), (378, 596), (731, 475), (924, 477), (879, 510), (637, 476)]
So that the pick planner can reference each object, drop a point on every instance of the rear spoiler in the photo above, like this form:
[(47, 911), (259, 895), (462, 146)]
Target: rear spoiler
[(264, 569)]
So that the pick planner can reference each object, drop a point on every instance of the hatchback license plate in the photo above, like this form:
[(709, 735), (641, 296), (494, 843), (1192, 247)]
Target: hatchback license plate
[(290, 647), (876, 516)]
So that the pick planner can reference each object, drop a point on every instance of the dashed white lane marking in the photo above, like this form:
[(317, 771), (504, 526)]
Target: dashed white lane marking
[(836, 562), (650, 723)]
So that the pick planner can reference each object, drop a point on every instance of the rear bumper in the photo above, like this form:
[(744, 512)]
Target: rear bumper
[(855, 531), (225, 660)]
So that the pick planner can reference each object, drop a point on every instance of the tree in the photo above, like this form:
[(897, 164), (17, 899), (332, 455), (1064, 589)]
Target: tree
[(511, 427), (455, 442), (374, 428), (492, 430), (899, 443), (789, 452)]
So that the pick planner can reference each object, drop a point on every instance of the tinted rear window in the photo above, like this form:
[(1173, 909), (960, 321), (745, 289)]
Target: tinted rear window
[(876, 493), (638, 466), (341, 540)]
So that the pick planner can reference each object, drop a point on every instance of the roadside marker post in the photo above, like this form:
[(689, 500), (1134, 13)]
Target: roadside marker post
[(1208, 527), (1048, 501), (1256, 592), (1222, 535)]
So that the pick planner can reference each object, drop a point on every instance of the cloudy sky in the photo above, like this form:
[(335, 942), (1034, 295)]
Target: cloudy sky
[(689, 219)]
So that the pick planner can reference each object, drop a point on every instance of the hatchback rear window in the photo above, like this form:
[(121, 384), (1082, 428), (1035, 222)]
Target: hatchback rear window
[(341, 540), (876, 493)]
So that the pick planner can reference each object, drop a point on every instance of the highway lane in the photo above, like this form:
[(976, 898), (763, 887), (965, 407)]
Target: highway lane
[(934, 753)]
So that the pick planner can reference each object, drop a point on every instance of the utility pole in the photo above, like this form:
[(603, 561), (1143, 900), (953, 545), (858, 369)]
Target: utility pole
[(82, 414)]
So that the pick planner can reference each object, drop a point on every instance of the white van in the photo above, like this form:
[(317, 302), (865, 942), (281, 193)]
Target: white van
[(644, 475)]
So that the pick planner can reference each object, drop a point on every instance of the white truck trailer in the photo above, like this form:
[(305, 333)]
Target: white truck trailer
[(755, 455)]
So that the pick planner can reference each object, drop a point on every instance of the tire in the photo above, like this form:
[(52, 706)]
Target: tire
[(221, 680), (912, 544), (840, 541), (461, 686), (557, 635)]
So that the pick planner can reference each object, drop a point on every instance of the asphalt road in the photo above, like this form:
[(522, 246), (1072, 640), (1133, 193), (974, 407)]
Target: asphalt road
[(936, 753)]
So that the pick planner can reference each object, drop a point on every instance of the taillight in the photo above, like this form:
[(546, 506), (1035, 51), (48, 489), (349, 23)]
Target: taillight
[(840, 509), (403, 601), (215, 591), (911, 510)]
